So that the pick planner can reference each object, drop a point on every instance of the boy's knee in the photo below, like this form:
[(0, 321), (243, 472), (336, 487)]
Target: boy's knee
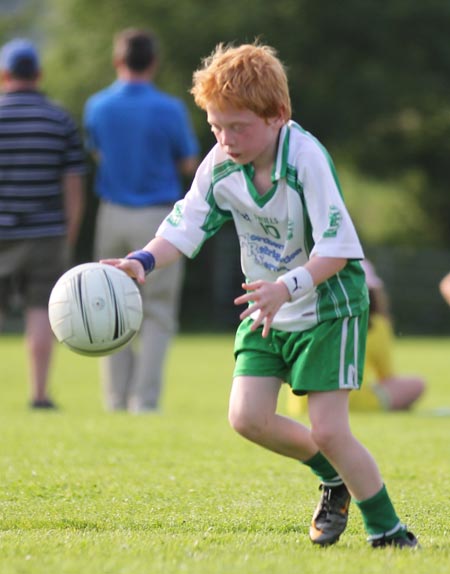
[(243, 423), (237, 421), (324, 436)]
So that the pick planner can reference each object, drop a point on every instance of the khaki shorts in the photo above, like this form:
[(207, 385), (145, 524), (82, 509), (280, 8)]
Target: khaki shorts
[(29, 268), (327, 357)]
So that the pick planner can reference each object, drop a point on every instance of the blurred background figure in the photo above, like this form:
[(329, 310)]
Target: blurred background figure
[(444, 287), (41, 201), (144, 144), (383, 388)]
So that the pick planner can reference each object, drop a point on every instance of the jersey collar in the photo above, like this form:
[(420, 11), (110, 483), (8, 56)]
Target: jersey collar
[(279, 169)]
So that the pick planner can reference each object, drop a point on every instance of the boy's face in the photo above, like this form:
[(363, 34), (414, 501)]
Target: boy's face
[(244, 136)]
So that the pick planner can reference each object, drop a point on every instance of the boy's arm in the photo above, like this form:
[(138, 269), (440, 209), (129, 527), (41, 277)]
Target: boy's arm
[(322, 268), (159, 249)]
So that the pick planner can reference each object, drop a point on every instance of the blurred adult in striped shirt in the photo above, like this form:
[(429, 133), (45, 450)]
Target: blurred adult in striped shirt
[(41, 201)]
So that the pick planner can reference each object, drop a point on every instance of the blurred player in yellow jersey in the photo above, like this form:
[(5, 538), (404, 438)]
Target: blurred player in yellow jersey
[(382, 388), (444, 287)]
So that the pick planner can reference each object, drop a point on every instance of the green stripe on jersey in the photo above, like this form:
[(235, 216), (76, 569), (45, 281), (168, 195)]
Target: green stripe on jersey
[(324, 151), (294, 183), (224, 169), (216, 216), (341, 295)]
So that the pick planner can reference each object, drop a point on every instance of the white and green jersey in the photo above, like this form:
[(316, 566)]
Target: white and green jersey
[(302, 215)]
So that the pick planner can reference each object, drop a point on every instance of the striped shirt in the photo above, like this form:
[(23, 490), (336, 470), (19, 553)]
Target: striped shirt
[(301, 216), (39, 143)]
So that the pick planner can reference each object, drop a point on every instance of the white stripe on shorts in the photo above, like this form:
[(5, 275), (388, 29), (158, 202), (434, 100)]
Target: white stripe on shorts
[(348, 373)]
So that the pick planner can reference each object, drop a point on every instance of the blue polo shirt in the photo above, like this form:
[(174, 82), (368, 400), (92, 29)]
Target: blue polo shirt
[(140, 134)]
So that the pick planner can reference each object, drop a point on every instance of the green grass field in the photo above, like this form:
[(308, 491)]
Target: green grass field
[(84, 491)]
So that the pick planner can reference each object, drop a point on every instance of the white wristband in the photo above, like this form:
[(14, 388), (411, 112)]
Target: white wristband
[(298, 281)]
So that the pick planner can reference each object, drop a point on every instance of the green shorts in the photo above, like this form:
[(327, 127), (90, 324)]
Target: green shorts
[(328, 357)]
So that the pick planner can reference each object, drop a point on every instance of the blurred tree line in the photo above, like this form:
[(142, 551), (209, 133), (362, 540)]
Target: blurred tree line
[(370, 79)]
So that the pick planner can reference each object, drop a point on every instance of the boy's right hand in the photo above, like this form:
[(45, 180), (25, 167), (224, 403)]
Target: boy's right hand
[(132, 267)]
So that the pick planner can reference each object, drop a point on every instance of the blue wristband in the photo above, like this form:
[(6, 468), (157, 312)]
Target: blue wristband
[(146, 259)]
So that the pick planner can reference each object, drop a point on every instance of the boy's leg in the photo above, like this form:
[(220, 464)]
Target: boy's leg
[(252, 413), (328, 413), (330, 430)]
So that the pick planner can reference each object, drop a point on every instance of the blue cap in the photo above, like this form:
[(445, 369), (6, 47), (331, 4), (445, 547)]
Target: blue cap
[(20, 58)]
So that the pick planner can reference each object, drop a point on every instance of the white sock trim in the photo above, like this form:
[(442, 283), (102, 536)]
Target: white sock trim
[(336, 481), (397, 527)]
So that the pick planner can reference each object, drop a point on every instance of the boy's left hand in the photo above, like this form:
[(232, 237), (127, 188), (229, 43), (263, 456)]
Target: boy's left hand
[(266, 296)]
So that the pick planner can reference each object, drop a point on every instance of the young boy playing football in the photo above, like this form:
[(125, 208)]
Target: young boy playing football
[(306, 319)]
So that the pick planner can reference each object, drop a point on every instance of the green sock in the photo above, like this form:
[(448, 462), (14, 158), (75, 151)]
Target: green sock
[(323, 469), (379, 516)]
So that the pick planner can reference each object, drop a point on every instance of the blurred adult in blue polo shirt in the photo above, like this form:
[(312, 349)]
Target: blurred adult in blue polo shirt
[(143, 143)]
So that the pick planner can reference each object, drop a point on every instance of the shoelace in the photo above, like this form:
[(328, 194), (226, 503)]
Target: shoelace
[(325, 501), (327, 509)]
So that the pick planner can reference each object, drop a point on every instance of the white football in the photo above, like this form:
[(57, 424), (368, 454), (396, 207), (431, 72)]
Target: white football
[(95, 309)]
